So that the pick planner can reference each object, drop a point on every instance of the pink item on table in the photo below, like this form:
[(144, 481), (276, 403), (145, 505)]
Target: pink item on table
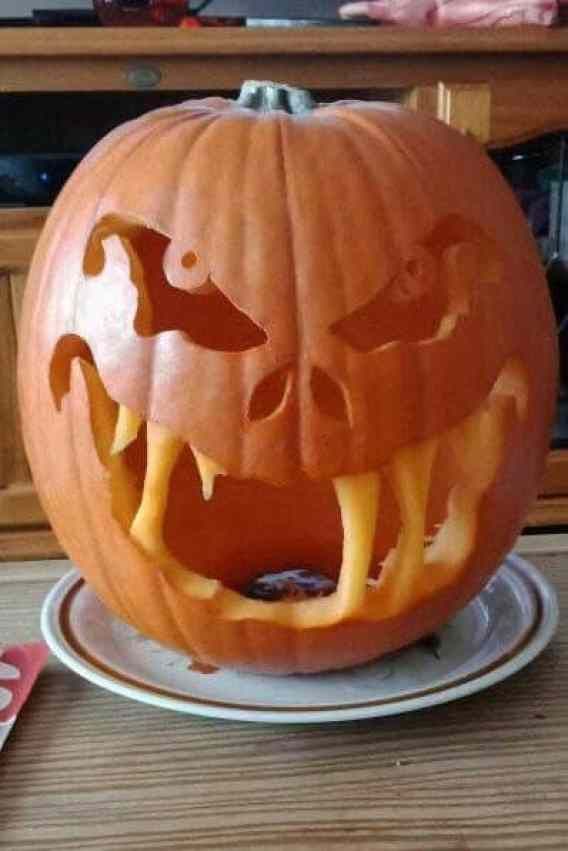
[(20, 665), (456, 13)]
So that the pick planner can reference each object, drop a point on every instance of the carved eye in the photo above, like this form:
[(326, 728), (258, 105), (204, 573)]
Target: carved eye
[(408, 309), (206, 315)]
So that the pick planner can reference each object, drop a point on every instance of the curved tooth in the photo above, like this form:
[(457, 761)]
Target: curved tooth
[(513, 381), (126, 430), (208, 470), (484, 430), (358, 498), (410, 475), (478, 444), (163, 451)]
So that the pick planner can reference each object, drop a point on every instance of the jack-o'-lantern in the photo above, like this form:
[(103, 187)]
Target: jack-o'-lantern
[(261, 335)]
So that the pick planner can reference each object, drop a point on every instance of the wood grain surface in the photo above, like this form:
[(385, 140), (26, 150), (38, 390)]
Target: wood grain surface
[(523, 66), (24, 544), (155, 41), (84, 769), (19, 505)]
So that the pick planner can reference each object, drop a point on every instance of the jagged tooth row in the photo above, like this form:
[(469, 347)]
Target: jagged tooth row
[(163, 450), (126, 431), (358, 498), (357, 495), (409, 474)]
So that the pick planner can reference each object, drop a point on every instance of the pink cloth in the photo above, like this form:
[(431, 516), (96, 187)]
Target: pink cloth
[(19, 668), (456, 13)]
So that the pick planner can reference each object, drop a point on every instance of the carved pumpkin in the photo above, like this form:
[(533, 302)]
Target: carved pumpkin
[(258, 338)]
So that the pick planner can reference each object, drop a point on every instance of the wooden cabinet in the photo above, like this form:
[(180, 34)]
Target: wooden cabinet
[(18, 502), (500, 86), (23, 524)]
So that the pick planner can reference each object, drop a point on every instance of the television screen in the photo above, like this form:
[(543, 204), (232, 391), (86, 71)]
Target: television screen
[(302, 9)]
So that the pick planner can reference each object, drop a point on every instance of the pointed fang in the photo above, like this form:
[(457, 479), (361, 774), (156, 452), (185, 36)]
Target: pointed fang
[(163, 452), (208, 471), (126, 431), (358, 498), (410, 476)]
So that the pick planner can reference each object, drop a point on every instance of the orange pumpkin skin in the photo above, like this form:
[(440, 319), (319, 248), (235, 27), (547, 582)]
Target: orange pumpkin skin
[(301, 222)]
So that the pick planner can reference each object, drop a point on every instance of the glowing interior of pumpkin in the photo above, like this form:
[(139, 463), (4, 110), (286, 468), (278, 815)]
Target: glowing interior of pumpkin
[(426, 555)]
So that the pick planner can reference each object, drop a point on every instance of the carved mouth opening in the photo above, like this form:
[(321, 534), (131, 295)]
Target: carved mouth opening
[(384, 537)]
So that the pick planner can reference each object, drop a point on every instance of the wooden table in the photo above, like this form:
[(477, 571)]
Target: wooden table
[(85, 769)]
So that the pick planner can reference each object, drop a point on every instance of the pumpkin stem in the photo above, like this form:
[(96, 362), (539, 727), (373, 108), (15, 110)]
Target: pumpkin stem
[(264, 96)]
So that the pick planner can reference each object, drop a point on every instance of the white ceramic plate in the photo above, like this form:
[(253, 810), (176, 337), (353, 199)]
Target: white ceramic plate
[(497, 634)]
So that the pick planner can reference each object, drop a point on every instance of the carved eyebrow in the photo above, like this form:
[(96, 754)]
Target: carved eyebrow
[(208, 318), (205, 315)]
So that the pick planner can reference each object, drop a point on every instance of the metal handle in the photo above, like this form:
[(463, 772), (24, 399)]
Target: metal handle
[(143, 76)]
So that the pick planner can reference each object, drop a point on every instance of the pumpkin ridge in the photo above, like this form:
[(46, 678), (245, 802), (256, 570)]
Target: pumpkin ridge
[(407, 162), (285, 127), (49, 243), (198, 141), (95, 213), (118, 597), (178, 122)]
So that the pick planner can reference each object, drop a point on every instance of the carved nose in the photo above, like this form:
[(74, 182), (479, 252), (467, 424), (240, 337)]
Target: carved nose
[(329, 397), (271, 395)]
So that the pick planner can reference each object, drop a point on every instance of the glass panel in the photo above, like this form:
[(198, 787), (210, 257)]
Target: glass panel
[(538, 173), (48, 133)]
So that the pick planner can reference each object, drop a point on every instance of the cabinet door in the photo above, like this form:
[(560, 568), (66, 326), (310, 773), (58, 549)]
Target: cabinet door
[(467, 107), (19, 505)]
